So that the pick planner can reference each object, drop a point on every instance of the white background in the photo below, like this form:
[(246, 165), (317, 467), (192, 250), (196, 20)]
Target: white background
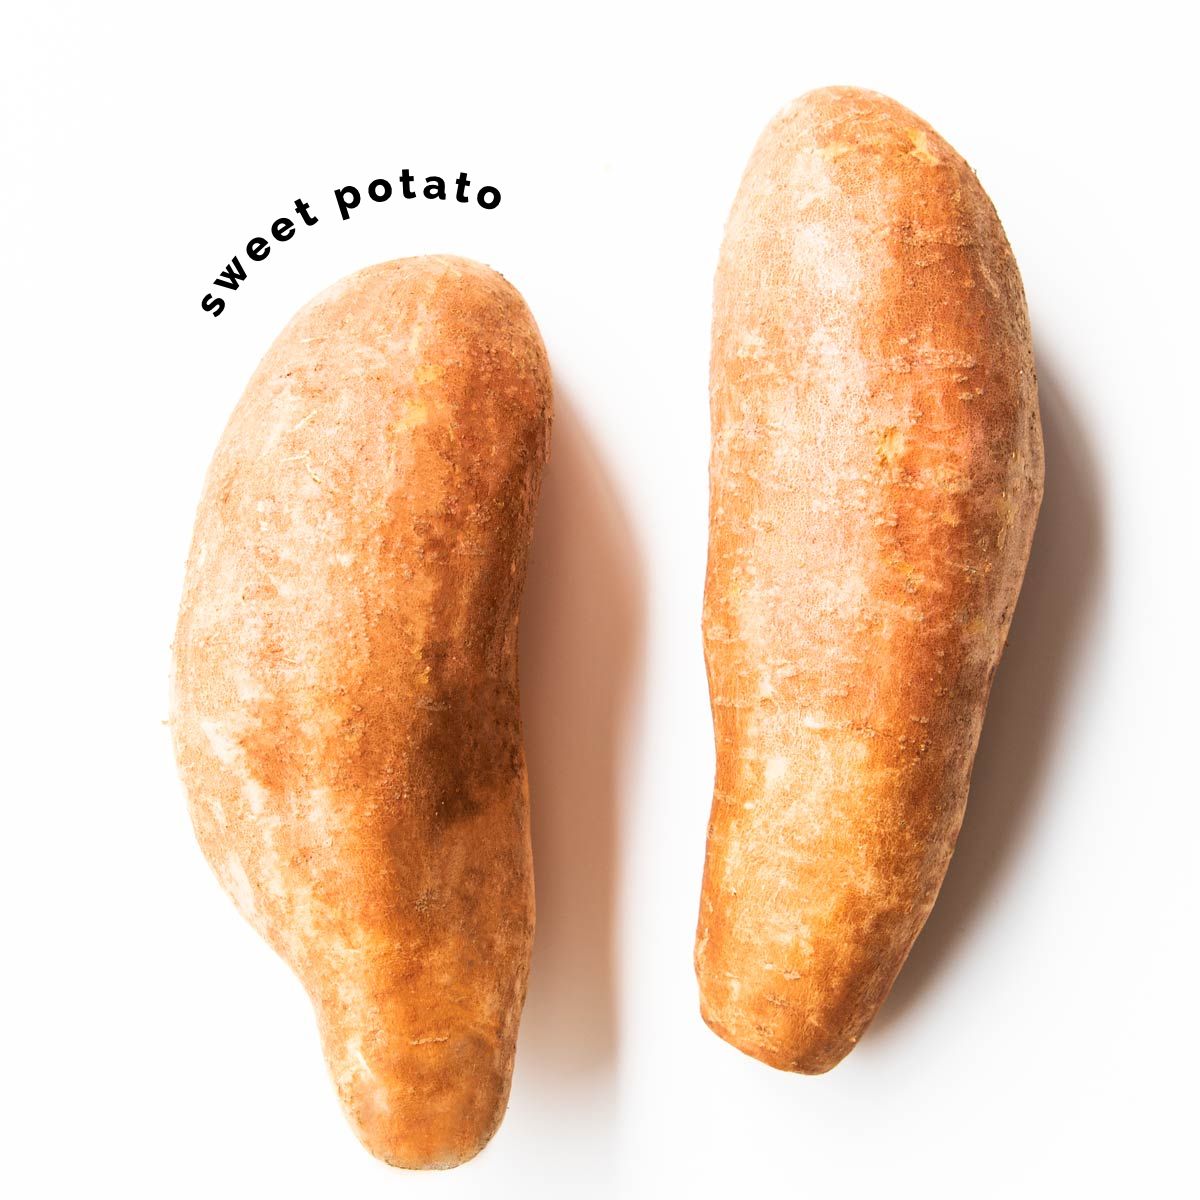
[(1041, 1039)]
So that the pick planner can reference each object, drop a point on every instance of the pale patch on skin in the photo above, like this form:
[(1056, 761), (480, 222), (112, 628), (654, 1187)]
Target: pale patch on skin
[(794, 934), (921, 149), (751, 345), (776, 770), (358, 1068), (269, 868), (249, 690), (414, 416), (238, 884), (255, 796), (354, 1051), (228, 752), (418, 326), (891, 445), (319, 809)]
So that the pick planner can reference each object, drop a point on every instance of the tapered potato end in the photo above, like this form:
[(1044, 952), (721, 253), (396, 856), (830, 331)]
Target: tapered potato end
[(430, 1104), (790, 1044), (789, 1017)]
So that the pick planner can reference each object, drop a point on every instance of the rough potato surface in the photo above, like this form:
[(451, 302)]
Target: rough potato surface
[(345, 707)]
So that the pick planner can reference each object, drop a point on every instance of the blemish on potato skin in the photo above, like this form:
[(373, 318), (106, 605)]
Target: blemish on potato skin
[(890, 446), (430, 372), (921, 150)]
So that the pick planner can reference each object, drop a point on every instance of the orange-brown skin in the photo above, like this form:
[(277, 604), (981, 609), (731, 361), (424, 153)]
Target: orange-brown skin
[(875, 480), (345, 710)]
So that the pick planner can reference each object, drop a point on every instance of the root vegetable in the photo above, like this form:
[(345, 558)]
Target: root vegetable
[(875, 480), (345, 698)]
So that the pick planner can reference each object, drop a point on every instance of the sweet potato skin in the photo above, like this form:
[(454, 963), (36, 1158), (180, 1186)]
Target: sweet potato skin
[(345, 704), (875, 480)]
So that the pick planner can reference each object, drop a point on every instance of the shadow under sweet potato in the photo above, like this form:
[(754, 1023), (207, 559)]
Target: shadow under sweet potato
[(581, 624)]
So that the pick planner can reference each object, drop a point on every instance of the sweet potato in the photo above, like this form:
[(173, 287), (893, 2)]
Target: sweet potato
[(875, 479), (345, 706)]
